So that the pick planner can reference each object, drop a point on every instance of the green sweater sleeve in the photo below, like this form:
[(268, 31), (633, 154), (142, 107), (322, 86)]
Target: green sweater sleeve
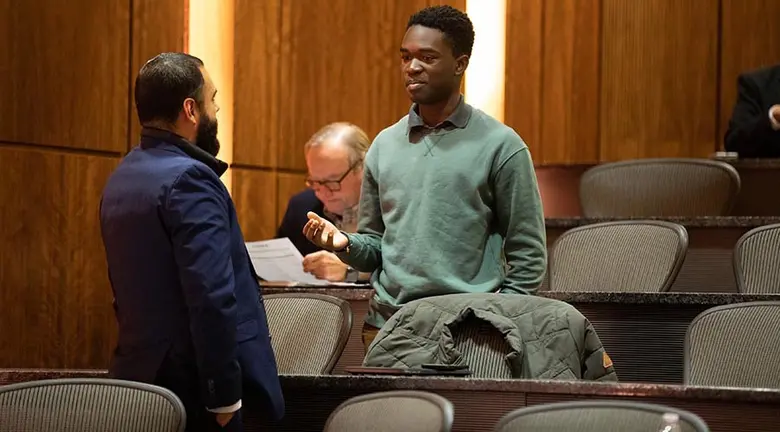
[(520, 220), (365, 250)]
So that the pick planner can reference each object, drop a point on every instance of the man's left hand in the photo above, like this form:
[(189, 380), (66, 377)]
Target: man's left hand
[(325, 265)]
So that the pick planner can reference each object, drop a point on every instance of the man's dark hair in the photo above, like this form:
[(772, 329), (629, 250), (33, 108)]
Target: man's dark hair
[(455, 25), (163, 84)]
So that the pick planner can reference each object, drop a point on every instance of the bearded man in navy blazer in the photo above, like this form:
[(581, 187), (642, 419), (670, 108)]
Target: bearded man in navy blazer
[(186, 296)]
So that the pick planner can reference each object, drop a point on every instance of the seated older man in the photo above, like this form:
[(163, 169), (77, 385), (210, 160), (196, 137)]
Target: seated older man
[(334, 158)]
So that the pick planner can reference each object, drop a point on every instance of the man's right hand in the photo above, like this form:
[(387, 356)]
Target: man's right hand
[(324, 234), (775, 112)]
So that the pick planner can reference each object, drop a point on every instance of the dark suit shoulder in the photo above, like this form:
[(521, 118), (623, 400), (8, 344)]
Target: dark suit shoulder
[(195, 170), (762, 76), (295, 218), (297, 207), (305, 199)]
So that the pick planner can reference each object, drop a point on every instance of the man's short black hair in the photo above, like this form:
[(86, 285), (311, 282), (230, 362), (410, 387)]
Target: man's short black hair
[(455, 25), (163, 84)]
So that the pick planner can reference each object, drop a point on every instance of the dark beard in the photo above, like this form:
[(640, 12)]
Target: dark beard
[(206, 138)]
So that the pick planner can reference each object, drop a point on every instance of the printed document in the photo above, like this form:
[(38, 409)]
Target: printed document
[(278, 260)]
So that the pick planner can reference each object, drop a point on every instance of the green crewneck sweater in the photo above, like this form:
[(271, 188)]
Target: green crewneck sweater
[(439, 205)]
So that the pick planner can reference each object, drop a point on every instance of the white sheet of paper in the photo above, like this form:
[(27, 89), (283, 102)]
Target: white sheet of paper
[(278, 260)]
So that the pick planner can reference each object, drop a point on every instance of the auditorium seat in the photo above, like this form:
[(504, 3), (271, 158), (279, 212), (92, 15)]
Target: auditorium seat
[(308, 331), (659, 187), (635, 256), (483, 348), (736, 345), (408, 411), (597, 416), (89, 404), (757, 261)]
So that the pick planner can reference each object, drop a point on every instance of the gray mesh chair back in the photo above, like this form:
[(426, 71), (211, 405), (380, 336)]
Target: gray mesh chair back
[(623, 256), (408, 411), (89, 404), (757, 261), (736, 345), (659, 187), (483, 348), (597, 416), (308, 331)]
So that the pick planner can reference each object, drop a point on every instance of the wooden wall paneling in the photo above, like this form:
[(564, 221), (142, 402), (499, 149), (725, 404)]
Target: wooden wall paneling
[(570, 82), (552, 78), (523, 85), (257, 83), (53, 278), (255, 196), (658, 78), (750, 39), (458, 4), (340, 62), (158, 26), (64, 73)]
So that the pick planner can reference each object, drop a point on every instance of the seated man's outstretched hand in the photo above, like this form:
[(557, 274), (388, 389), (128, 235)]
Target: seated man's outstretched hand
[(323, 233)]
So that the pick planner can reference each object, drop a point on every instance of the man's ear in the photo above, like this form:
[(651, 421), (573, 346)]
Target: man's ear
[(190, 110), (461, 63)]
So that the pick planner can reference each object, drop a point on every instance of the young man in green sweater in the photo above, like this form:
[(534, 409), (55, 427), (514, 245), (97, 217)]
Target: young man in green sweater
[(445, 190)]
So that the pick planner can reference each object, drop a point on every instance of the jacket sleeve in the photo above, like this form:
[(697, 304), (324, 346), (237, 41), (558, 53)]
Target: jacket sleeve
[(365, 252), (596, 363), (520, 221), (750, 129), (196, 213)]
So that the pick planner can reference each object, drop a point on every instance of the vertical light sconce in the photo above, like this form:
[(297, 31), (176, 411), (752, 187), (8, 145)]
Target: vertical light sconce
[(210, 38), (485, 75)]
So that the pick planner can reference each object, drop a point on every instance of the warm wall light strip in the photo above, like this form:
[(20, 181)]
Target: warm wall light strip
[(211, 40), (485, 74)]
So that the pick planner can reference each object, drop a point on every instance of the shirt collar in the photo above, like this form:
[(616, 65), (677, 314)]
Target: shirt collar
[(333, 217), (459, 118), (150, 136)]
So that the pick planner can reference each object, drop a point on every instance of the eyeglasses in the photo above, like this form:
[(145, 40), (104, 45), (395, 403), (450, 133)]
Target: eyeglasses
[(331, 185)]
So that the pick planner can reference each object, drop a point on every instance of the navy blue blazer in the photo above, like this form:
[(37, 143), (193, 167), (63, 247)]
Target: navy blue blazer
[(295, 218), (185, 292)]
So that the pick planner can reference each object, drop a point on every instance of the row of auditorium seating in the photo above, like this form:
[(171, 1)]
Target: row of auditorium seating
[(728, 335), (310, 332), (417, 411), (646, 256), (91, 404), (659, 187)]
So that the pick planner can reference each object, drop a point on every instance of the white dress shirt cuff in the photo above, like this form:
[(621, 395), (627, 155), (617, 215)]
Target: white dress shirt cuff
[(775, 124), (228, 409)]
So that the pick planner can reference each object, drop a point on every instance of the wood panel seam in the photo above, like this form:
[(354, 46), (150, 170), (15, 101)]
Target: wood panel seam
[(540, 117), (130, 74), (718, 75), (59, 149), (281, 170), (599, 78)]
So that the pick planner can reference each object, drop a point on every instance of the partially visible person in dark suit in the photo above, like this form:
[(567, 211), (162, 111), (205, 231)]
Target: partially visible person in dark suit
[(754, 128), (334, 158), (185, 293)]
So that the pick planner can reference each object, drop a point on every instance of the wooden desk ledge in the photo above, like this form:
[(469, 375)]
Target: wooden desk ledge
[(748, 222), (670, 298), (367, 384)]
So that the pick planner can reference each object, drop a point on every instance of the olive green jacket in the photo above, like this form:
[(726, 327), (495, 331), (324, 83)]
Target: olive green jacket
[(548, 339)]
